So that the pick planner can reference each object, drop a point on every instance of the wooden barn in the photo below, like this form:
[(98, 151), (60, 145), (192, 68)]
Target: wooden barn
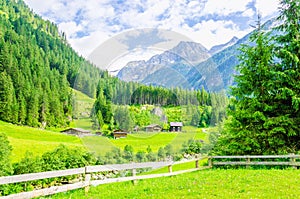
[(119, 134), (76, 131), (153, 128), (176, 126)]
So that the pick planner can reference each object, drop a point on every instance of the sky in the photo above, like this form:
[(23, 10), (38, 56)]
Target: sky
[(89, 24)]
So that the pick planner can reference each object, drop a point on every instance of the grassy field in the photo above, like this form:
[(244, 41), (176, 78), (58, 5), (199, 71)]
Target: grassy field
[(84, 123), (241, 183), (83, 104), (39, 141), (97, 144), (141, 141), (34, 140)]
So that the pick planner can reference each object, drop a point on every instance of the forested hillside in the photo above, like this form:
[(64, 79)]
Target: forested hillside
[(37, 67)]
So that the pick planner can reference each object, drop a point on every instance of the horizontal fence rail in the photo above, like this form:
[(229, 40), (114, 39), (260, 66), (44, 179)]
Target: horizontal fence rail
[(252, 160), (87, 172)]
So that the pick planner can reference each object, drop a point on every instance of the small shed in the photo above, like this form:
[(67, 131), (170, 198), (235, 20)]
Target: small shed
[(119, 134), (76, 131), (153, 128), (176, 126)]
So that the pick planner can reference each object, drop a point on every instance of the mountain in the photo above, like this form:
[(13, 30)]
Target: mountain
[(190, 65), (216, 73), (218, 48), (168, 68)]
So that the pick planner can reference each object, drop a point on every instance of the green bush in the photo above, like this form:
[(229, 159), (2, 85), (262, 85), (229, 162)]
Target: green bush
[(59, 159)]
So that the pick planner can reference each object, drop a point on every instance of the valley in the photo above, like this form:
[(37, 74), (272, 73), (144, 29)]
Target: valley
[(65, 115)]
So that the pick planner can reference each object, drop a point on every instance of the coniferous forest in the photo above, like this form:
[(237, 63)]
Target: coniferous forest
[(38, 68)]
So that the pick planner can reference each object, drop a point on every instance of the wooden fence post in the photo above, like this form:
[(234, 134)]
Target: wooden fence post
[(293, 161), (210, 164), (133, 175), (170, 168), (197, 164), (87, 180), (248, 161)]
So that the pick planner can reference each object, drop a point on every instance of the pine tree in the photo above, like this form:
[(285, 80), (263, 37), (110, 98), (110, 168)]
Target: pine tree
[(5, 151), (265, 115), (245, 131), (287, 73), (7, 97)]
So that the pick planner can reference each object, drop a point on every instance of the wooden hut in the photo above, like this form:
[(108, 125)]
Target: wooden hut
[(76, 131), (153, 128), (119, 134), (176, 126)]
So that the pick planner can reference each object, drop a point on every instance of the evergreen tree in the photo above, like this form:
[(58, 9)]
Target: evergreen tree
[(286, 89), (245, 131), (123, 118), (5, 151), (7, 96), (265, 114)]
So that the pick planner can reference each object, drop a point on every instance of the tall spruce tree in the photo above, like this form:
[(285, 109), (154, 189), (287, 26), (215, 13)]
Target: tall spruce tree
[(245, 131), (265, 116), (287, 89)]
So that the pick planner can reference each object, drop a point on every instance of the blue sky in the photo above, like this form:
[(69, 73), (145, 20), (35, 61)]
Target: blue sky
[(209, 22)]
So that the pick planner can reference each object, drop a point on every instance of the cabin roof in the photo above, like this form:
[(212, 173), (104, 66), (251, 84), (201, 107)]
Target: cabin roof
[(176, 124), (76, 129), (153, 125)]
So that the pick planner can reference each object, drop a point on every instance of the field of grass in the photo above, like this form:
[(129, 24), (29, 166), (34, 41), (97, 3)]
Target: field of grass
[(83, 104), (84, 123), (37, 141), (176, 167), (241, 183), (97, 144), (141, 141)]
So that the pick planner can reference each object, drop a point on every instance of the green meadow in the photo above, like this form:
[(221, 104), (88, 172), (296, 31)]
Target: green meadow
[(140, 141), (37, 141), (215, 183)]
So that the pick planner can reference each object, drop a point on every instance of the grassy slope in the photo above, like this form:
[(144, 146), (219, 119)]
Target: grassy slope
[(37, 141), (140, 142), (97, 144), (82, 109), (203, 184)]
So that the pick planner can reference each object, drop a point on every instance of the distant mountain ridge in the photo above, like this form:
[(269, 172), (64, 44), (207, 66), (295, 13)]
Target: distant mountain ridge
[(167, 66), (191, 65), (218, 48), (170, 68)]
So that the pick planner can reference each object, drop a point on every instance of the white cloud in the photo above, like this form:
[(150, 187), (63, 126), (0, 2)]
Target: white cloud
[(248, 13), (70, 28), (85, 45), (225, 7), (209, 32), (101, 20), (267, 7)]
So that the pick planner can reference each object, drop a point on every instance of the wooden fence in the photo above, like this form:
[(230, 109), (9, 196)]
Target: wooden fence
[(251, 160), (87, 173)]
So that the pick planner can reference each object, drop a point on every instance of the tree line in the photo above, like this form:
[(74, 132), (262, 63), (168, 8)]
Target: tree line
[(38, 67), (203, 108)]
